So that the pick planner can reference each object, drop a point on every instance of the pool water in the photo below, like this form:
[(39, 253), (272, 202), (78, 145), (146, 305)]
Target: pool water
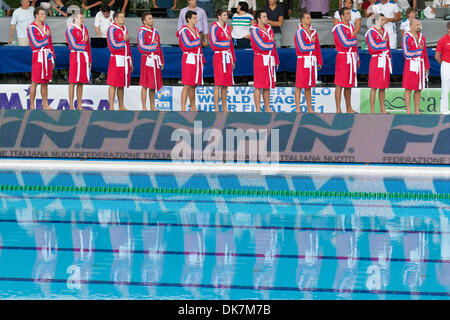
[(68, 245)]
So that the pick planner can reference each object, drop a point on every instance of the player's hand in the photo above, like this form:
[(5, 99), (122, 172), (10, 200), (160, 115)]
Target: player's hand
[(9, 41), (126, 38), (319, 66), (278, 66), (90, 65), (204, 42), (173, 8), (162, 67), (233, 64), (131, 69), (155, 6), (359, 64)]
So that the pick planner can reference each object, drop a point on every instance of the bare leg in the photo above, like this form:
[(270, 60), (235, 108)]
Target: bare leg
[(373, 92), (348, 100), (71, 95), (309, 108), (266, 97), (224, 99), (337, 97), (184, 95), (417, 95), (120, 94), (79, 96), (44, 94), (151, 97), (111, 96), (408, 101), (382, 97), (192, 98), (257, 97), (297, 95), (33, 95), (216, 98), (144, 98)]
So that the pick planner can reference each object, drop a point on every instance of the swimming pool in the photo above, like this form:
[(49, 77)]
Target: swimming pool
[(181, 244)]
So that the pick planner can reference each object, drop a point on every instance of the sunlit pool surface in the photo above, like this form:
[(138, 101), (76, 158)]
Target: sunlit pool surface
[(66, 245)]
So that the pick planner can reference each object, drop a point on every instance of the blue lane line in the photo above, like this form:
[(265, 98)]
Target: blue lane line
[(219, 254), (240, 287), (184, 225)]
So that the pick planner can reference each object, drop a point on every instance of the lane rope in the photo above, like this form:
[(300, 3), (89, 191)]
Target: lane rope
[(240, 192)]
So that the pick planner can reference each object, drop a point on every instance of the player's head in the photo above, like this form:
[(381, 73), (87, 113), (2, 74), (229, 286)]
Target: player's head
[(261, 17), (448, 27), (119, 18), (242, 6), (39, 14), (380, 19), (348, 4), (221, 15), (345, 14), (305, 18), (410, 13), (147, 19), (78, 18), (106, 11), (25, 4), (191, 17), (415, 25), (271, 1), (193, 3)]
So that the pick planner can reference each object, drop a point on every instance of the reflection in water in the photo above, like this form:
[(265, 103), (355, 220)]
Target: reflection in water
[(443, 269), (223, 271), (266, 249), (346, 243), (46, 254), (83, 254), (153, 241), (309, 262), (122, 245), (415, 248)]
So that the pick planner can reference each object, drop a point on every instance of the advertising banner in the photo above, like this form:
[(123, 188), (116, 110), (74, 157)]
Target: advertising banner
[(244, 136)]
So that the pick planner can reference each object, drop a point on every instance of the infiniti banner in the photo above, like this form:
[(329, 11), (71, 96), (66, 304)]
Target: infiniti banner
[(363, 138)]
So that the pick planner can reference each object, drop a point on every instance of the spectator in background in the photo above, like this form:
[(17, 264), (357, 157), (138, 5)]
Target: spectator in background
[(20, 20), (322, 6), (275, 16), (170, 5), (241, 23), (440, 4), (287, 7), (418, 4), (410, 16), (103, 20), (355, 16), (5, 7), (60, 9), (93, 5), (233, 4), (392, 14), (402, 4), (368, 8), (202, 24), (120, 6), (357, 4), (208, 6)]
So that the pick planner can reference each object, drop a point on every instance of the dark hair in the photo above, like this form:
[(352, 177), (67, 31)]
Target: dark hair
[(189, 15), (144, 15), (219, 12), (105, 7), (243, 5), (342, 11), (302, 15), (344, 2), (258, 14), (409, 10), (116, 13), (36, 11)]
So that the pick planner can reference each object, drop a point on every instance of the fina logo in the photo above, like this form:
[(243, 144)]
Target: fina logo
[(424, 132), (164, 100), (333, 136)]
